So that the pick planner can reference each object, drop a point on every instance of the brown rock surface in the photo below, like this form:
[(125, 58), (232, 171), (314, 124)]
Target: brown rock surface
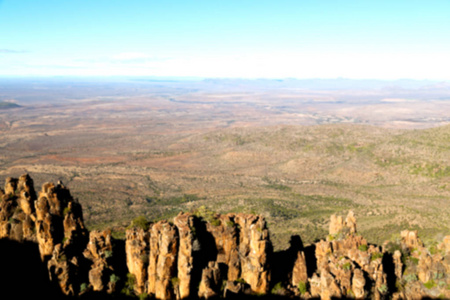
[(170, 261), (254, 246), (10, 186), (299, 273), (411, 239), (163, 260), (184, 224), (210, 282), (358, 283), (226, 239), (137, 249), (99, 250)]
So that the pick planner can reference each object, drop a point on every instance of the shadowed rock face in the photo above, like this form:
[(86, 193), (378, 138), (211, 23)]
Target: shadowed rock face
[(212, 255)]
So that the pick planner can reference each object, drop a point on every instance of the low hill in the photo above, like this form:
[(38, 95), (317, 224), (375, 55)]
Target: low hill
[(7, 105)]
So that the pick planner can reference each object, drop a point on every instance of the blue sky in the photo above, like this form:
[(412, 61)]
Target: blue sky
[(214, 38)]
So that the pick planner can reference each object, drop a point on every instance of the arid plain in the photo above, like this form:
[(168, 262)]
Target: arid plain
[(293, 151)]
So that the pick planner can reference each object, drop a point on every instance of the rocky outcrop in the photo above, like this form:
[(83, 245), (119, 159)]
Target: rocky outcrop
[(345, 262), (53, 220), (211, 280), (162, 269), (225, 232), (185, 263), (254, 247), (229, 248), (206, 255), (420, 272), (17, 217), (299, 273), (137, 250), (99, 252)]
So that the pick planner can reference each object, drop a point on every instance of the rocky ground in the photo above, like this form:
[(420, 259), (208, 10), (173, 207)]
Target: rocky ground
[(204, 255)]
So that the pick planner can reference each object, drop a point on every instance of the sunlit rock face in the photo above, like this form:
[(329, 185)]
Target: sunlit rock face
[(208, 255)]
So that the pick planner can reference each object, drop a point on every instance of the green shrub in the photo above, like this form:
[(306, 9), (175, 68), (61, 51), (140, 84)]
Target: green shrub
[(240, 280), (376, 256), (215, 222), (410, 278), (128, 289), (383, 289), (66, 211), (230, 223), (83, 287), (363, 247), (108, 253), (430, 284), (144, 296), (277, 288), (414, 260), (114, 278), (140, 222), (347, 266), (175, 281), (433, 249), (62, 258), (302, 287)]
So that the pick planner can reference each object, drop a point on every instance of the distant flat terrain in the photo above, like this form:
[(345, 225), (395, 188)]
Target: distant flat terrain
[(292, 153)]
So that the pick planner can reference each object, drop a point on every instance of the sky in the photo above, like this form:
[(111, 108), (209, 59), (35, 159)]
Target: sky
[(363, 39)]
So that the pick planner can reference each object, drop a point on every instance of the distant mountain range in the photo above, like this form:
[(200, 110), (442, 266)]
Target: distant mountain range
[(332, 84)]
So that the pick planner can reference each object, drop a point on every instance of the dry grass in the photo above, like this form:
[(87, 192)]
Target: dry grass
[(155, 158)]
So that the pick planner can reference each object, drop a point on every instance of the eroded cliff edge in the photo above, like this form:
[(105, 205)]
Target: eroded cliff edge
[(206, 255)]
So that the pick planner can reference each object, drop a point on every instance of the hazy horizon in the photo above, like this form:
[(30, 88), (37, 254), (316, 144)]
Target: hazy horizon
[(381, 40)]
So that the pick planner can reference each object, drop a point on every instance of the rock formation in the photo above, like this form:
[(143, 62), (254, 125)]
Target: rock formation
[(205, 254)]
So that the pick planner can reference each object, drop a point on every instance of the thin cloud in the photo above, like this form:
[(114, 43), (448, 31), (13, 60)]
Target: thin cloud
[(125, 58), (11, 51)]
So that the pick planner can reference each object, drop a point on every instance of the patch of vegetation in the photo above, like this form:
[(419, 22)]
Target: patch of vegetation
[(414, 260), (83, 287), (347, 266), (144, 296), (240, 280), (175, 281), (363, 247), (277, 288), (230, 223), (432, 170), (114, 278), (302, 287), (128, 289), (274, 185), (66, 211), (430, 284), (410, 278), (140, 222), (207, 215), (62, 258), (376, 256), (108, 253), (173, 201), (383, 289)]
